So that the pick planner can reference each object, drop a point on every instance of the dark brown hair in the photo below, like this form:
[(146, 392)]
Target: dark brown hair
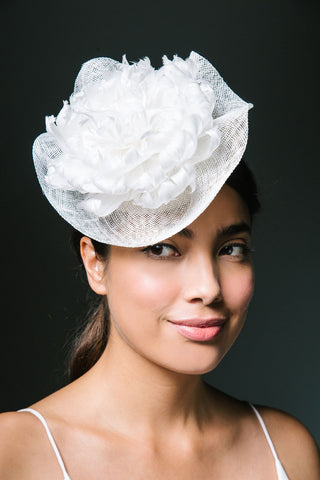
[(90, 343)]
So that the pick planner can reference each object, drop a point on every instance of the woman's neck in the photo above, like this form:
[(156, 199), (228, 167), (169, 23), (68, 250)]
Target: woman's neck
[(131, 392)]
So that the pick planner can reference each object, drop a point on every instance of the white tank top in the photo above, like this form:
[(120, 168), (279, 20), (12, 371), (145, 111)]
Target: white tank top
[(280, 470)]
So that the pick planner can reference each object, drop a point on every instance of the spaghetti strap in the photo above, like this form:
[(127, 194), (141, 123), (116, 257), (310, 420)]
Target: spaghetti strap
[(280, 470), (50, 437)]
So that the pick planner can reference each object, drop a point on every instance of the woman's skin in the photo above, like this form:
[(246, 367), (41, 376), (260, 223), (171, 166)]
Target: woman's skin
[(143, 411)]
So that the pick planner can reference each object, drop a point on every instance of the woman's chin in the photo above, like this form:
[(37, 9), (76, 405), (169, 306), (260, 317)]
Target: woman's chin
[(192, 367)]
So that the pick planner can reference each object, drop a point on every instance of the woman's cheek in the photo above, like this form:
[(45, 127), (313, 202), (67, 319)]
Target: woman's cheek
[(142, 288), (238, 289)]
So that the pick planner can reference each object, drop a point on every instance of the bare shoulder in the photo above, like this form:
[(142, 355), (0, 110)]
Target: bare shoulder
[(295, 446), (15, 430), (24, 447), (14, 427)]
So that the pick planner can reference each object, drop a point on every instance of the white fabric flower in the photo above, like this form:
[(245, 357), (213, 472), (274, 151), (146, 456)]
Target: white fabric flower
[(134, 135)]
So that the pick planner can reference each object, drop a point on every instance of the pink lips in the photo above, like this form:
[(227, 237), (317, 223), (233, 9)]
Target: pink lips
[(199, 330)]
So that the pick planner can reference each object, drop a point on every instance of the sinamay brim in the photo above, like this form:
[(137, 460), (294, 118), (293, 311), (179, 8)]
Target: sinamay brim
[(134, 226)]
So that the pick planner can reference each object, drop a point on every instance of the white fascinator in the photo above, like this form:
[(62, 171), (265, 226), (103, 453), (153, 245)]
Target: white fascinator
[(137, 154)]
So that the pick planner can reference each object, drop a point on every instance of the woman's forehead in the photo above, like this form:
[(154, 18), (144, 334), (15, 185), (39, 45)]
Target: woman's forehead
[(226, 214)]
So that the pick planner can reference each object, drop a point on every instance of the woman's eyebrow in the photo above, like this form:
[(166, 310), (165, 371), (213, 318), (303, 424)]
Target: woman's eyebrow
[(186, 232), (241, 227)]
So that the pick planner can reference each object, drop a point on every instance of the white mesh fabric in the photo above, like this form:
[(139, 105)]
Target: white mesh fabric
[(134, 226)]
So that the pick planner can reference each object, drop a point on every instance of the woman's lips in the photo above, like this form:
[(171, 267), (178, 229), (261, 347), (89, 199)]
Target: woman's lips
[(199, 330)]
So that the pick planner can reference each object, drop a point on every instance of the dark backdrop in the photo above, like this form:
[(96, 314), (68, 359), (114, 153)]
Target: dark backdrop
[(267, 51)]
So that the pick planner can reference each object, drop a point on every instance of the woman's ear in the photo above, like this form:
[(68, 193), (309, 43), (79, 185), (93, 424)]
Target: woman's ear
[(95, 267)]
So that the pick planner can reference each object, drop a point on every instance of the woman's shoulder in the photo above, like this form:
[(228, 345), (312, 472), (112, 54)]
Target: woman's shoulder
[(18, 434), (15, 427), (294, 444), (24, 446), (292, 441)]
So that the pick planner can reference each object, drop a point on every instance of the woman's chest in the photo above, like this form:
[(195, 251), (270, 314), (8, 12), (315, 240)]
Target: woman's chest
[(138, 463)]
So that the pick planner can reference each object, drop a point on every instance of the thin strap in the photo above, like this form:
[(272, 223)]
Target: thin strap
[(53, 443), (264, 428), (280, 470)]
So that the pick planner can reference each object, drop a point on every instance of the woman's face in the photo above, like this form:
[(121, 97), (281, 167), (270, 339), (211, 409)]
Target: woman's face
[(181, 303)]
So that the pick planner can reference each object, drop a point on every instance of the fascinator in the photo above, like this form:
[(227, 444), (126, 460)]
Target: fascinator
[(137, 154)]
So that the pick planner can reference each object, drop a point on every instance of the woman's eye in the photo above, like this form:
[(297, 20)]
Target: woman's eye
[(238, 250), (161, 250)]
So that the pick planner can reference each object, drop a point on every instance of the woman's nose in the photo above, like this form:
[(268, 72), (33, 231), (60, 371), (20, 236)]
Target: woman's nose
[(202, 283)]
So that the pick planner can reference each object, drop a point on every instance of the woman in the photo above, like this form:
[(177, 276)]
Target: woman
[(145, 165)]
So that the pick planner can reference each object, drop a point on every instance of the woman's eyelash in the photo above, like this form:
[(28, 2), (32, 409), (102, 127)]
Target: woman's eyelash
[(161, 250), (230, 247)]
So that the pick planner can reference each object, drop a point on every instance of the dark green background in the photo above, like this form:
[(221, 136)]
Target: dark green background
[(268, 52)]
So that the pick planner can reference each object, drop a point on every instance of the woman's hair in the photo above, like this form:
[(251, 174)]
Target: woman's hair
[(89, 345)]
